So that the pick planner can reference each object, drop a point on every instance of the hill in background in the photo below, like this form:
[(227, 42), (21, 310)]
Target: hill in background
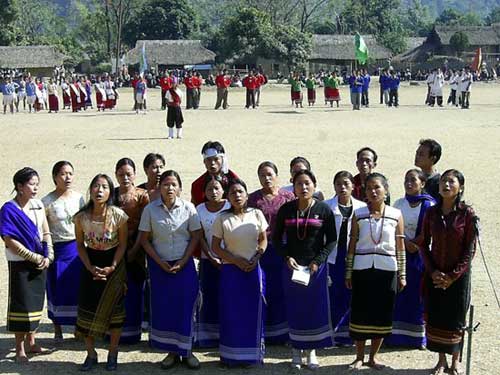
[(436, 7)]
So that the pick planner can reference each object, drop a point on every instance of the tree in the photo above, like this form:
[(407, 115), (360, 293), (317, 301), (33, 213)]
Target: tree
[(293, 46), (162, 19), (450, 17), (417, 19), (494, 16), (8, 16), (459, 42), (120, 12), (379, 17), (324, 27), (90, 32), (41, 25), (248, 33), (298, 13)]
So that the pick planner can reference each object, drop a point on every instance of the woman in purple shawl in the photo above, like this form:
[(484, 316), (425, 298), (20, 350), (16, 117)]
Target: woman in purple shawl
[(408, 325), (28, 248)]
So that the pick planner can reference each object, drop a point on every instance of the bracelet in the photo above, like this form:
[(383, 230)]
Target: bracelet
[(349, 263), (401, 261)]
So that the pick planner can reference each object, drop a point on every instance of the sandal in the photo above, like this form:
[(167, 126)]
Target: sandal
[(455, 371)]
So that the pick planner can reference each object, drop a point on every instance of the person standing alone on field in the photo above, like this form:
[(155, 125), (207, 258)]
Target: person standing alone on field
[(174, 111)]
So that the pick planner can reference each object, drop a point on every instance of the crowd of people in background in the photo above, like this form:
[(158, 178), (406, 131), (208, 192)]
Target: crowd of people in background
[(68, 90), (279, 265)]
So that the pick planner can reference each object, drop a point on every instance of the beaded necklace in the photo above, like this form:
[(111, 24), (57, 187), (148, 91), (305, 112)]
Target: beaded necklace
[(304, 235), (377, 242)]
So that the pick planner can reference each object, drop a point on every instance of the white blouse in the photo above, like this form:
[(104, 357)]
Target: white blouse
[(376, 246)]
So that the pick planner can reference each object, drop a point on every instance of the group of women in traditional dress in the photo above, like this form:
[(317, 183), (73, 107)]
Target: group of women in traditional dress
[(76, 94), (331, 83), (275, 266)]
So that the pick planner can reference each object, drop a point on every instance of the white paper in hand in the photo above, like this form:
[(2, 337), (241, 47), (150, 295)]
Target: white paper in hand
[(301, 276)]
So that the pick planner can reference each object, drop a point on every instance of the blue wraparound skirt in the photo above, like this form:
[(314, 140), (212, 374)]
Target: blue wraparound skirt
[(276, 325), (308, 310), (63, 283), (134, 306), (408, 327), (207, 325), (174, 299), (241, 306)]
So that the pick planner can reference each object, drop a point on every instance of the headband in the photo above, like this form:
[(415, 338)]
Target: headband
[(211, 152)]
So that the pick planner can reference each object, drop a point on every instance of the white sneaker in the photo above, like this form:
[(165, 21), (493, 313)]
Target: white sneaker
[(312, 360), (296, 359)]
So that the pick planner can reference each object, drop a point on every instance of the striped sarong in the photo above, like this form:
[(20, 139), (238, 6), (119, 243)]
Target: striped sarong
[(26, 296), (101, 303)]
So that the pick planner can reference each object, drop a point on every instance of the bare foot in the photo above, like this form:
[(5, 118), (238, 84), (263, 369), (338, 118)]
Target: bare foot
[(35, 349), (376, 365), (440, 369), (455, 371), (356, 365)]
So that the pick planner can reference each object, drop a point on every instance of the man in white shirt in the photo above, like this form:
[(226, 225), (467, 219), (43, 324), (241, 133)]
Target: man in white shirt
[(465, 84)]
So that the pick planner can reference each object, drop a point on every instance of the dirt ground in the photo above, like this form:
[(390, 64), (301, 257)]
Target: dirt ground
[(276, 131)]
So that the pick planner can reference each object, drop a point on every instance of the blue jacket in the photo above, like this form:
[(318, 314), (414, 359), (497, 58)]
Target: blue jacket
[(30, 88), (394, 82), (384, 82), (356, 84), (366, 82)]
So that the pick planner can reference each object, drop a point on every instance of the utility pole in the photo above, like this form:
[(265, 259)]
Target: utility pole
[(119, 14)]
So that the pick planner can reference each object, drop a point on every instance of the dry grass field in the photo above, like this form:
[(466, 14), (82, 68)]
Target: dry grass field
[(276, 131)]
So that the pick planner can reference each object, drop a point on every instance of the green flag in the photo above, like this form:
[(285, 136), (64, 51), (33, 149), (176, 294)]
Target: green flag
[(361, 49)]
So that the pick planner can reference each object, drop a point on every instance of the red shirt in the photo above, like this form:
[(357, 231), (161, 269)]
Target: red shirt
[(250, 82), (134, 81), (358, 190), (222, 81), (447, 242), (165, 83), (197, 192), (197, 81), (189, 82), (262, 79)]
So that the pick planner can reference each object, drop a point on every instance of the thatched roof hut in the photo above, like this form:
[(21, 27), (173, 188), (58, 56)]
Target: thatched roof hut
[(485, 37), (341, 48), (171, 53), (477, 35), (414, 42), (30, 57)]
